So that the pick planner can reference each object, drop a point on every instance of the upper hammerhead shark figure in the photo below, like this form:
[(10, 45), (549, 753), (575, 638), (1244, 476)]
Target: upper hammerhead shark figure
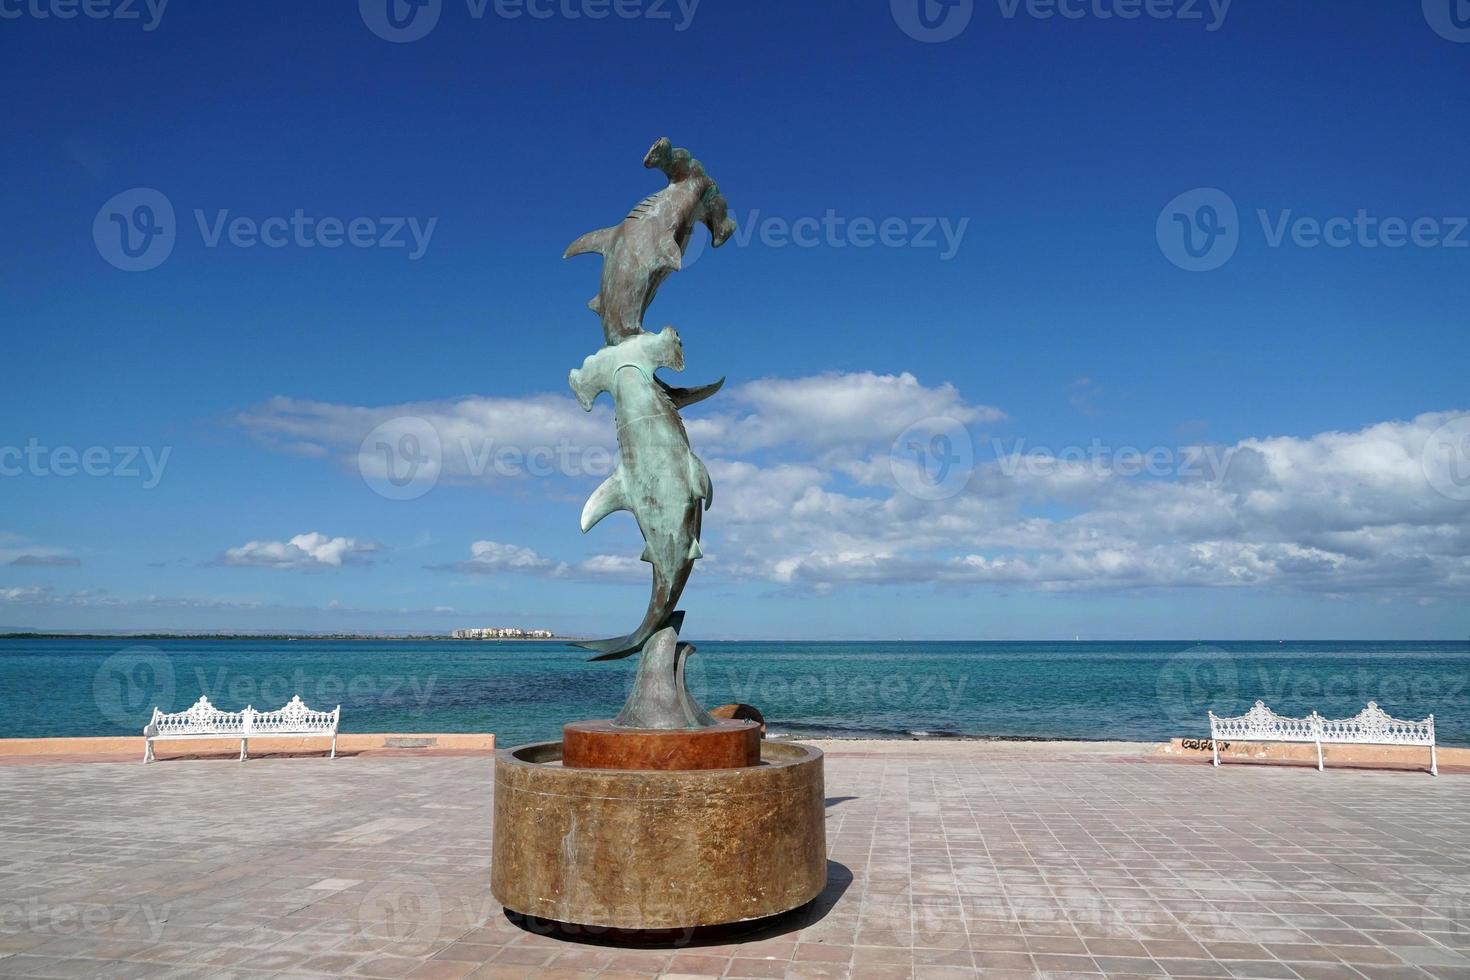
[(639, 254)]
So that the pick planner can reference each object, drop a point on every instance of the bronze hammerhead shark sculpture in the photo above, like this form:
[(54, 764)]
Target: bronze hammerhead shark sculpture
[(658, 478), (639, 254)]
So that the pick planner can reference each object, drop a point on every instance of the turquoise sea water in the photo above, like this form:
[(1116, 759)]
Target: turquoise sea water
[(525, 691)]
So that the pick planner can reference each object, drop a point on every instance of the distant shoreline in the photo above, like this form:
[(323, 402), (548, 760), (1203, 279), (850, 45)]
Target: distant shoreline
[(373, 637), (446, 638)]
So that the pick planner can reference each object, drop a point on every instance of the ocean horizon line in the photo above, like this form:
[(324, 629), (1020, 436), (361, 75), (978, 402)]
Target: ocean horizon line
[(412, 636)]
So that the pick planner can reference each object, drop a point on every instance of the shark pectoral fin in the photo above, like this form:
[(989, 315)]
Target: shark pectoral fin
[(594, 241), (699, 479), (669, 255), (585, 391), (647, 554), (595, 304), (684, 397), (694, 551), (604, 500)]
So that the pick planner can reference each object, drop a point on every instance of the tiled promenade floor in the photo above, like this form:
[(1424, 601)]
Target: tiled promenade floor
[(946, 864)]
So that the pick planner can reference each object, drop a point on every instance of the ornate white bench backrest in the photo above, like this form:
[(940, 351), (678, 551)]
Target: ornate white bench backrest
[(294, 718), (201, 718), (1261, 724), (1374, 726), (1371, 726), (204, 720)]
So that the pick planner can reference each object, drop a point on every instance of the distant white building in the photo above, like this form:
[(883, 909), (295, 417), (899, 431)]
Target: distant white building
[(502, 633)]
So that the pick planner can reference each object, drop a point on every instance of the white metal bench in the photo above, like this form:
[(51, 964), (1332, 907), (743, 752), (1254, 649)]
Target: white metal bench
[(1371, 726), (204, 720)]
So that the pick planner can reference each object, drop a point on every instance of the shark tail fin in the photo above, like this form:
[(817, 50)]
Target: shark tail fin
[(625, 646), (594, 241)]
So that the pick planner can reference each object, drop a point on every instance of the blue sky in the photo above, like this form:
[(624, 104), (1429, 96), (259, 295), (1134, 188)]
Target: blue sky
[(1033, 294)]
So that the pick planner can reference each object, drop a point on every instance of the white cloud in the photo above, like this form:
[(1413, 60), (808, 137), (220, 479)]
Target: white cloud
[(20, 551), (492, 557), (830, 410), (477, 439), (303, 552), (807, 491), (29, 560), (25, 594), (1331, 513), (497, 439)]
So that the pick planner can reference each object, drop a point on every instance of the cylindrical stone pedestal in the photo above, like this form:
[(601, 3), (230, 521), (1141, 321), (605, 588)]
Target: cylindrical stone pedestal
[(602, 745), (657, 849)]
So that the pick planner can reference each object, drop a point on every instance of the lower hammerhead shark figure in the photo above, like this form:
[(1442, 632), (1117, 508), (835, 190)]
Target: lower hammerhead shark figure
[(658, 478)]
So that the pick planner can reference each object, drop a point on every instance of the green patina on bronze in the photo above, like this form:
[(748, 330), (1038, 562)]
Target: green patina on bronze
[(658, 478)]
